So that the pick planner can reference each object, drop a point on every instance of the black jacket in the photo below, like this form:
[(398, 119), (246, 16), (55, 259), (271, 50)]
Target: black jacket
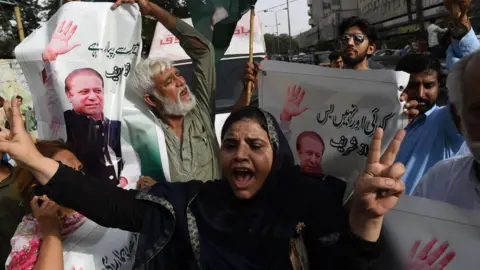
[(91, 141)]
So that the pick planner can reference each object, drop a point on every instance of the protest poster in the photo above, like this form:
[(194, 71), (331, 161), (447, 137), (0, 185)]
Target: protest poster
[(329, 115), (165, 45), (77, 65), (431, 234), (143, 128)]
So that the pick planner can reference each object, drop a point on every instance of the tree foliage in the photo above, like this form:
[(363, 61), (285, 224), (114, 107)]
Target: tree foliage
[(35, 11), (280, 44)]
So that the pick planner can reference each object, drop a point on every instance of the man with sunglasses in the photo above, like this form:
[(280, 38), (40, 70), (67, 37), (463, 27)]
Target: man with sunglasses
[(357, 42)]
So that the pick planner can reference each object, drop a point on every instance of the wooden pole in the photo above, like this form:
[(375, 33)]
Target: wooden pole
[(250, 57), (18, 17)]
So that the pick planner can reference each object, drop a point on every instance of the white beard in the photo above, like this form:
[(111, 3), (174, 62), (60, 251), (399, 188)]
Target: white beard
[(177, 108)]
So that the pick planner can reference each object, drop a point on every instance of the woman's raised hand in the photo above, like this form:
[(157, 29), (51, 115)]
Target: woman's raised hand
[(378, 188), (17, 142)]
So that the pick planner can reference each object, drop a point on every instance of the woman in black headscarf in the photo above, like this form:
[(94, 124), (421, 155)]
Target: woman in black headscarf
[(263, 214)]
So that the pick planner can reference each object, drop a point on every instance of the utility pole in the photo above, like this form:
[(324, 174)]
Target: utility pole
[(409, 10), (289, 33), (18, 17), (419, 7), (276, 25)]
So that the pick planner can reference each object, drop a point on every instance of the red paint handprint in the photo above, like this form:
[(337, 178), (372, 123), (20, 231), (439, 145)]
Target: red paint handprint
[(59, 43), (291, 107), (425, 259)]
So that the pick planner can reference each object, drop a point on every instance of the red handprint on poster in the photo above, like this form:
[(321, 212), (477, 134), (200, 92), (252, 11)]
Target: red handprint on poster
[(425, 260)]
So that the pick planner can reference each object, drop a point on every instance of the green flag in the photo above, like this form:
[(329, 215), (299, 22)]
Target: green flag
[(217, 20)]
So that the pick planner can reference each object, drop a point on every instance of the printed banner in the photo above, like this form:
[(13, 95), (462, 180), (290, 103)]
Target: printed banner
[(434, 235), (14, 85), (329, 115), (77, 66), (165, 45), (78, 69)]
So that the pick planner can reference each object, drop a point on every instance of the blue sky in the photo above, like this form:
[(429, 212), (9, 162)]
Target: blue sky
[(298, 15)]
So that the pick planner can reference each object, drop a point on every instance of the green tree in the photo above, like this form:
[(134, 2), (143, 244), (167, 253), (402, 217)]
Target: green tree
[(31, 12), (50, 7), (280, 44)]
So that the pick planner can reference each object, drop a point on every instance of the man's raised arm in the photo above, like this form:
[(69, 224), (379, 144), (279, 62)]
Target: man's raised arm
[(199, 49)]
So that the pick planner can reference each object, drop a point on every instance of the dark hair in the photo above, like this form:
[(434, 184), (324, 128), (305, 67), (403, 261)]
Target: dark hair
[(78, 71), (23, 178), (309, 134), (334, 56), (19, 97), (248, 112), (367, 28), (416, 63), (432, 21)]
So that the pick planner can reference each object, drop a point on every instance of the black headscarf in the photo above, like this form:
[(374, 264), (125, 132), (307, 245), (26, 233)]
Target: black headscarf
[(255, 233)]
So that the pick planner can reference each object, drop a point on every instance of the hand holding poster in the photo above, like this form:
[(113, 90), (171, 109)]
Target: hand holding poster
[(330, 115), (77, 66)]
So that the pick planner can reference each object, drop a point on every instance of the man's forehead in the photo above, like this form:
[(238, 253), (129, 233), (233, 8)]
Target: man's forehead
[(167, 72), (354, 30), (427, 75), (310, 139), (470, 76)]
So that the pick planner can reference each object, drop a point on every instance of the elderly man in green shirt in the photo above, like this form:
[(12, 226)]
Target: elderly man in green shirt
[(185, 114)]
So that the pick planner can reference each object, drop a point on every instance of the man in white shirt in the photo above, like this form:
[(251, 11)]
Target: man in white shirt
[(433, 44), (457, 180)]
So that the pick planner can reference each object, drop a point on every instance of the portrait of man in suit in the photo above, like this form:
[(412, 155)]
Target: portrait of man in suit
[(310, 149), (95, 138)]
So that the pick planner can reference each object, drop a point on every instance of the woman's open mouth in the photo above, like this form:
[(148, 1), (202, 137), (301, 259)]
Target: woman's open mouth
[(243, 177)]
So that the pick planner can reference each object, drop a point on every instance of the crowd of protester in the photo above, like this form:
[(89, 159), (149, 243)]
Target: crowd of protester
[(262, 211)]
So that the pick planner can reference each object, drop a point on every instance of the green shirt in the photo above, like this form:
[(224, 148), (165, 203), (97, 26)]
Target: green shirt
[(196, 154), (12, 210)]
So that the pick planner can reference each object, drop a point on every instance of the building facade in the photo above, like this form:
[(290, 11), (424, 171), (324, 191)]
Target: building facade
[(324, 19), (391, 16)]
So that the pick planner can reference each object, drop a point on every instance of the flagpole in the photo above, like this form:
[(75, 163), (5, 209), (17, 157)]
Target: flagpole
[(250, 57)]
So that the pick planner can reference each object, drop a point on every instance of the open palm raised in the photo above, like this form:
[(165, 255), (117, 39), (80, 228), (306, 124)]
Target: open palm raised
[(59, 43), (291, 107)]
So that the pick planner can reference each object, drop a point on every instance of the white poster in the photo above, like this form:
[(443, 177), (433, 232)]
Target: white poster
[(434, 235), (166, 45), (329, 115), (77, 69), (77, 66)]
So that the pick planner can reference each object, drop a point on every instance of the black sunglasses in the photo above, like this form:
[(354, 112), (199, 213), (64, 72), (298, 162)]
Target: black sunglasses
[(357, 38)]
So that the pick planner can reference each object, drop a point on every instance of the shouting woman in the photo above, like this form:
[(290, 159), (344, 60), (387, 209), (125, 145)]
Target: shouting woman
[(263, 214)]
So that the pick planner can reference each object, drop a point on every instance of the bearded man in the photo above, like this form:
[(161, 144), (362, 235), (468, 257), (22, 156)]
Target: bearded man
[(185, 114), (357, 39)]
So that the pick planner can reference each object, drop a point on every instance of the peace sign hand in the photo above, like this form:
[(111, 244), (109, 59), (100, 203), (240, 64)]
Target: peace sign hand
[(59, 42), (378, 188), (291, 108)]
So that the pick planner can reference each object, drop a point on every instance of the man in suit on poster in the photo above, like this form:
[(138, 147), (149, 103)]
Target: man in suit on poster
[(95, 138)]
